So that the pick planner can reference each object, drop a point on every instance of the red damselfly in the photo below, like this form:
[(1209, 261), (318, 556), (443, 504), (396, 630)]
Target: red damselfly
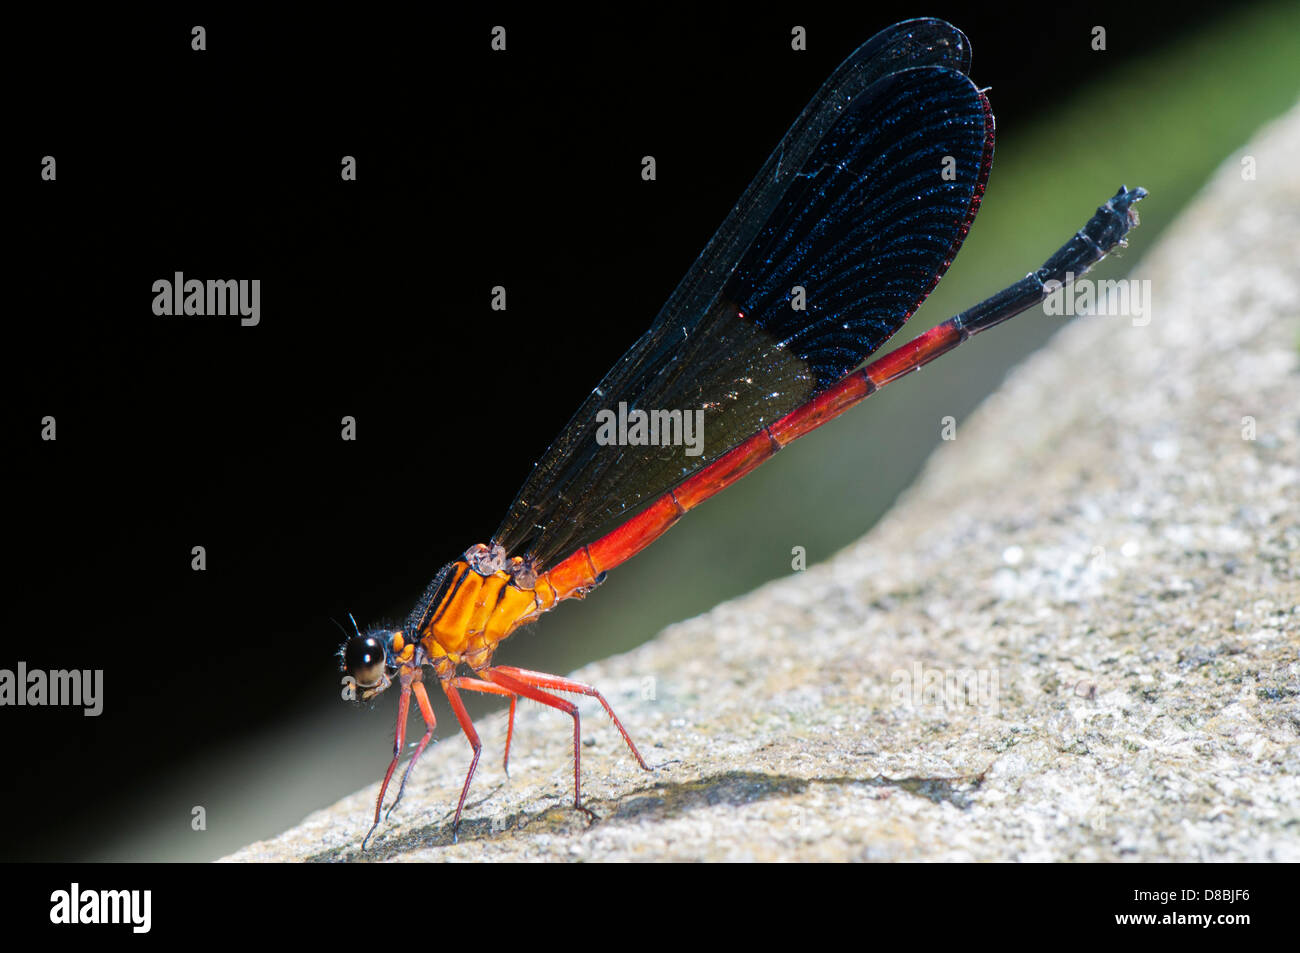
[(843, 233)]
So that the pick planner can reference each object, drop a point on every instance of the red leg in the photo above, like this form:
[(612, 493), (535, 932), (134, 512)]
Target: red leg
[(399, 740), (555, 682), (467, 726), (506, 678), (479, 685), (430, 722), (510, 733)]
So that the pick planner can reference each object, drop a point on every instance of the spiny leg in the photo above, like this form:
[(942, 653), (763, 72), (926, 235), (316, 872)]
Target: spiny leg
[(399, 740), (507, 678), (490, 688), (557, 683), (467, 726), (430, 722), (510, 733)]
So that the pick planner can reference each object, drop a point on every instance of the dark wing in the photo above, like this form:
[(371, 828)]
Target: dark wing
[(863, 205)]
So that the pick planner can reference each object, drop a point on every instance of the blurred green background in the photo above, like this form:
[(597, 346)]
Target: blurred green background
[(1164, 121)]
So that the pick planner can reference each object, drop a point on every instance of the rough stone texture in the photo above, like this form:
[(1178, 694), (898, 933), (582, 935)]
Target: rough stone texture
[(1100, 545)]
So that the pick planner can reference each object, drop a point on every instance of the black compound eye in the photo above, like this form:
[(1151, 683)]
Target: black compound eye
[(364, 659)]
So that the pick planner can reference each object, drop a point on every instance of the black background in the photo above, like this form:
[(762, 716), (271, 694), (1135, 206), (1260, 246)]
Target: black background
[(475, 169)]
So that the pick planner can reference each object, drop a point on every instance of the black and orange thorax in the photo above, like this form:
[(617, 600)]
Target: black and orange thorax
[(472, 611)]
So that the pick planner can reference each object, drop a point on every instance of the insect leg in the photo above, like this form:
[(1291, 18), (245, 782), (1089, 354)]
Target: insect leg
[(479, 685), (505, 678), (430, 722), (467, 726), (399, 740), (556, 682)]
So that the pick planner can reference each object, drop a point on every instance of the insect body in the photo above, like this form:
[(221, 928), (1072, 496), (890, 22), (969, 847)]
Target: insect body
[(855, 216)]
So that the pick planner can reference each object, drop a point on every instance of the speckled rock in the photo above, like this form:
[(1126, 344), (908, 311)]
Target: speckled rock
[(1074, 639)]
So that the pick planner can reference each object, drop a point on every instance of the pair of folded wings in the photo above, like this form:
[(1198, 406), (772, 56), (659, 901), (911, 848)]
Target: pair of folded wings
[(863, 205)]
